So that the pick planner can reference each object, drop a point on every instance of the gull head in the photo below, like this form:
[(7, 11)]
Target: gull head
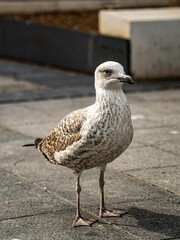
[(111, 76)]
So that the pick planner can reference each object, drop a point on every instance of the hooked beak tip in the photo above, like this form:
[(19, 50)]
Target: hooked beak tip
[(127, 79)]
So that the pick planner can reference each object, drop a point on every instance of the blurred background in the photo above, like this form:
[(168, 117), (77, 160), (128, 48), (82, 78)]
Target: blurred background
[(54, 46)]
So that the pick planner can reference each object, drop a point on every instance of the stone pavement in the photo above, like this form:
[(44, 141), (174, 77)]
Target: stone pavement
[(37, 199), (26, 82)]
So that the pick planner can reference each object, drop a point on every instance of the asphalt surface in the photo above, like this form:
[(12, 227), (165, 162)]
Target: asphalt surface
[(37, 199)]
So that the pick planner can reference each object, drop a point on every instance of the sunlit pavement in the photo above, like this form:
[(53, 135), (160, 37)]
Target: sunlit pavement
[(37, 199)]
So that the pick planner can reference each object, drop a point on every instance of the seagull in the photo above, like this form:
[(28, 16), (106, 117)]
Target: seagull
[(93, 136)]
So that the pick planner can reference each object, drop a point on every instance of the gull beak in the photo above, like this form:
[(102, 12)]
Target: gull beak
[(126, 79)]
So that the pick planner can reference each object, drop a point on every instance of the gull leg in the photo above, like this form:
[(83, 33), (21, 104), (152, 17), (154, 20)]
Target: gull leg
[(103, 212), (79, 220)]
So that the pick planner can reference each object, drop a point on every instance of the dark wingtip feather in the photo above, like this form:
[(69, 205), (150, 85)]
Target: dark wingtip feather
[(28, 145), (37, 141), (35, 144)]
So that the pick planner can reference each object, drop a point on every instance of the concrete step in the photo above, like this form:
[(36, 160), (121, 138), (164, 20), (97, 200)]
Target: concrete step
[(154, 35)]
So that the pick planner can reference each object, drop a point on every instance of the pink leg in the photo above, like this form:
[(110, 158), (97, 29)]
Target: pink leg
[(79, 220), (103, 211)]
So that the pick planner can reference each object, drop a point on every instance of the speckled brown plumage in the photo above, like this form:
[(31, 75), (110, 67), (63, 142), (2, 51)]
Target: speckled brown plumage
[(65, 134)]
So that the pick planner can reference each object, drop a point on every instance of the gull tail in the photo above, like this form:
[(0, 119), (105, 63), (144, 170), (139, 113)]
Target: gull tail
[(35, 144)]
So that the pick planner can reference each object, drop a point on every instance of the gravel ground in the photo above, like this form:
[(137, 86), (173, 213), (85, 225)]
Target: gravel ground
[(84, 21)]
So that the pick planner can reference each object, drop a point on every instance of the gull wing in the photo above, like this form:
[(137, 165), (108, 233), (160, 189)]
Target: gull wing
[(65, 134)]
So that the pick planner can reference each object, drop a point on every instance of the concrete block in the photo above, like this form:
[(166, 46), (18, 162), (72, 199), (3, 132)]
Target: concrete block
[(154, 35)]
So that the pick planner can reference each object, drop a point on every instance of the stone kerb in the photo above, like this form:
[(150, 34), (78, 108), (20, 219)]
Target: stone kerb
[(154, 39)]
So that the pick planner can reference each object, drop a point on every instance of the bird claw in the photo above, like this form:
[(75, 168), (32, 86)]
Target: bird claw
[(114, 213), (83, 222)]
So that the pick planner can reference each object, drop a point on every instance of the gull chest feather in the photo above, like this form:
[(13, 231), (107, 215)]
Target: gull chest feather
[(110, 126)]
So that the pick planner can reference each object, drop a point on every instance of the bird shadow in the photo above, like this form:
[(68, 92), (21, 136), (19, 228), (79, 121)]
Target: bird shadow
[(166, 224)]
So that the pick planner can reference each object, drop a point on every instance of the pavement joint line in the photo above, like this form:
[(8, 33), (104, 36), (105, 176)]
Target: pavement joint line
[(21, 160), (169, 151), (154, 146), (125, 172), (137, 169), (148, 183), (142, 200), (144, 144), (157, 147), (24, 216), (14, 130), (114, 202), (45, 98), (155, 127), (102, 220)]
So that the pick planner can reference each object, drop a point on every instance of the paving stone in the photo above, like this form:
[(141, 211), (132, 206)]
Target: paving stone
[(52, 226), (137, 199), (171, 147), (141, 158), (153, 219), (38, 198), (56, 178), (39, 112), (122, 191), (7, 135), (20, 198), (9, 84), (165, 177), (27, 162), (160, 137), (43, 82), (62, 106), (37, 82)]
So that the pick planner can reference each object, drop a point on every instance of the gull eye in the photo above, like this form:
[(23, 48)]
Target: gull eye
[(107, 72)]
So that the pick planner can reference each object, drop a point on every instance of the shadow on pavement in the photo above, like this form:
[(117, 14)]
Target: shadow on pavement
[(157, 222)]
